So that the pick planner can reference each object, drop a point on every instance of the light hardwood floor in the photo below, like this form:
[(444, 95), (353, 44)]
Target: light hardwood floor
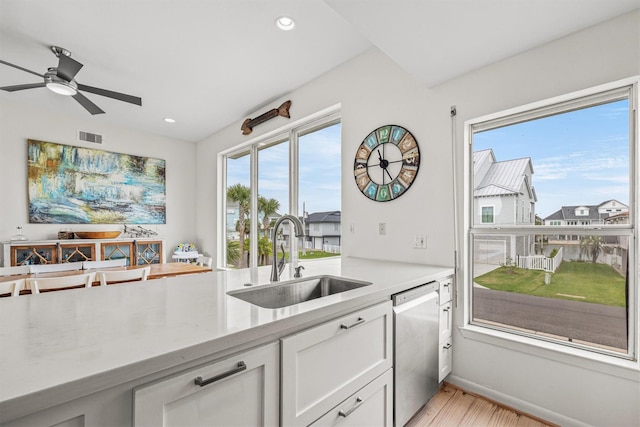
[(452, 406)]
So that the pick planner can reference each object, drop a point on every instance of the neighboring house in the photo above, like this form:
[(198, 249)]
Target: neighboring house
[(323, 228), (503, 195), (587, 214), (616, 248)]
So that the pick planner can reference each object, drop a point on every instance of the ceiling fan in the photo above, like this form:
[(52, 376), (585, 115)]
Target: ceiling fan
[(61, 80)]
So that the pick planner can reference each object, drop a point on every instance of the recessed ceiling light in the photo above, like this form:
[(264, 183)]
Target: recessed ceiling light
[(285, 23), (169, 120)]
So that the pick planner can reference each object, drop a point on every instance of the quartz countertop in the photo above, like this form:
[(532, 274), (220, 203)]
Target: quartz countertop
[(58, 346)]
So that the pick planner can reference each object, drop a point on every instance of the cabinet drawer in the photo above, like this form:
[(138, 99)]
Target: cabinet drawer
[(324, 365), (243, 391), (445, 290), (446, 317), (370, 406), (444, 359)]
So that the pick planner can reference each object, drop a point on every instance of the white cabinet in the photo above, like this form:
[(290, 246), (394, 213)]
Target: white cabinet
[(242, 390), (369, 406), (444, 359), (324, 365), (446, 324), (446, 319)]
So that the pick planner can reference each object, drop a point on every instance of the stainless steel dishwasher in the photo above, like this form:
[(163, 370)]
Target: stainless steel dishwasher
[(416, 334)]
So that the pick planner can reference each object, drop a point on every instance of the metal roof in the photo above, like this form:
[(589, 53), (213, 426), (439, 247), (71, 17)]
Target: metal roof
[(503, 178)]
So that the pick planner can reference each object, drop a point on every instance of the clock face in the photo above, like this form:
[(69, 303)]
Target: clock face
[(386, 163)]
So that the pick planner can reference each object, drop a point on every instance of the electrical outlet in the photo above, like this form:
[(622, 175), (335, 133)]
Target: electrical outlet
[(420, 242), (382, 228)]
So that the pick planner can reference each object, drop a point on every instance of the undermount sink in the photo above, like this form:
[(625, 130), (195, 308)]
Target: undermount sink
[(284, 294)]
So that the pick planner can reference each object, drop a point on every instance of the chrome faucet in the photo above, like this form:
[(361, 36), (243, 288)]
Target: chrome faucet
[(299, 232)]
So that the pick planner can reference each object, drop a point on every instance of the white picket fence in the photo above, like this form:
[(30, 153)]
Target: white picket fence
[(541, 262), (332, 249)]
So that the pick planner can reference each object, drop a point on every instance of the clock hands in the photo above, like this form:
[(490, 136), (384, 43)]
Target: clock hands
[(384, 164)]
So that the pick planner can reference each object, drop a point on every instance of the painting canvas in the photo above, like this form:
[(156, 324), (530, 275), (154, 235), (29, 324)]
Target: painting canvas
[(76, 185)]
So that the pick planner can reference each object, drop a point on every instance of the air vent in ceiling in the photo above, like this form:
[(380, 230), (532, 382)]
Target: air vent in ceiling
[(89, 137)]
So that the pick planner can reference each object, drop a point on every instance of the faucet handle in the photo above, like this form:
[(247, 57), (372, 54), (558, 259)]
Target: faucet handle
[(297, 273)]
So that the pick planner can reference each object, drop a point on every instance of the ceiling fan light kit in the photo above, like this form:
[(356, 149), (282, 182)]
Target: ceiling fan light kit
[(58, 85), (61, 80)]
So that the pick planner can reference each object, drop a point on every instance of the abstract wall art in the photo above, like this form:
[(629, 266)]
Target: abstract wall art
[(76, 185)]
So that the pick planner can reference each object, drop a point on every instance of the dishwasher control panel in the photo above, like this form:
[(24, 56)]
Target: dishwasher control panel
[(414, 293)]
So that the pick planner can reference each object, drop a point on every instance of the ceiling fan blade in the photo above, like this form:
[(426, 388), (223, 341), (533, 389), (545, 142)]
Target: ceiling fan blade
[(68, 67), (88, 105), (111, 94), (20, 68), (22, 87)]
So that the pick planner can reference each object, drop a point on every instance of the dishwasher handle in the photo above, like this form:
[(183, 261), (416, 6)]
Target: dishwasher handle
[(400, 308)]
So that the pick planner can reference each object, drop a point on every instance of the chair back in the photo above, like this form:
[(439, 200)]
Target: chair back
[(38, 284), (50, 268), (119, 276), (90, 265), (205, 261), (12, 271), (12, 287)]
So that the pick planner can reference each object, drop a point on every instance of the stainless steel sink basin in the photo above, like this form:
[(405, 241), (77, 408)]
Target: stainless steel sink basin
[(284, 294)]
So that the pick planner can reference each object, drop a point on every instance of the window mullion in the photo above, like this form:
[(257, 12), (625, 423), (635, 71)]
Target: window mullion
[(253, 210), (293, 193)]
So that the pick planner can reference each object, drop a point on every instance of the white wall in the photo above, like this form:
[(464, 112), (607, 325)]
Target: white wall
[(373, 91), (19, 122)]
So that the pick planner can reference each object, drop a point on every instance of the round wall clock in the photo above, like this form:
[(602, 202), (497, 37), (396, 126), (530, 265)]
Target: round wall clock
[(386, 163)]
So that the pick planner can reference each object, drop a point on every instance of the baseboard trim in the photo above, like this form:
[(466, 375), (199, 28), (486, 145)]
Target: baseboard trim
[(514, 404)]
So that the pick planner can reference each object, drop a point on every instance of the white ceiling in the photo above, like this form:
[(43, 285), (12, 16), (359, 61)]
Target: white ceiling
[(209, 63)]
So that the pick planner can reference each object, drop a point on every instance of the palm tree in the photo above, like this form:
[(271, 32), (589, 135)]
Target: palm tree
[(268, 207), (591, 246), (233, 252), (264, 251), (240, 194)]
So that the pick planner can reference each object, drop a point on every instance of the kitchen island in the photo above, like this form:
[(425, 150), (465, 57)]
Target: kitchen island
[(69, 345)]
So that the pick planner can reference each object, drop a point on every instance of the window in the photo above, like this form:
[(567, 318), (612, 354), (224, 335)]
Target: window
[(571, 277), (487, 214), (295, 171)]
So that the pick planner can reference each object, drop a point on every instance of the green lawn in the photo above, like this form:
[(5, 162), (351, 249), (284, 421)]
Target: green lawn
[(576, 281), (311, 254)]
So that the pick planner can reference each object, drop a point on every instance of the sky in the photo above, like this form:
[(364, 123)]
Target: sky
[(319, 171), (578, 158)]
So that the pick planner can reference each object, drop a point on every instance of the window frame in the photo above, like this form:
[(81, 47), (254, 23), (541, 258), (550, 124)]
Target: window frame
[(291, 133), (508, 337)]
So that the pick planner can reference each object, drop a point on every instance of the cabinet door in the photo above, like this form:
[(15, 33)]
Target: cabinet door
[(117, 250), (446, 318), (148, 252), (242, 390), (371, 406), (77, 252), (445, 290), (445, 359), (326, 364), (29, 255)]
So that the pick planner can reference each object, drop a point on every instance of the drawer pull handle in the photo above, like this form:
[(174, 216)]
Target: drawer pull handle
[(446, 347), (359, 401), (356, 323), (202, 382), (446, 285), (446, 308)]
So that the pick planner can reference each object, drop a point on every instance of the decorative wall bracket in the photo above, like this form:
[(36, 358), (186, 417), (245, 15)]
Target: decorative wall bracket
[(249, 124)]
